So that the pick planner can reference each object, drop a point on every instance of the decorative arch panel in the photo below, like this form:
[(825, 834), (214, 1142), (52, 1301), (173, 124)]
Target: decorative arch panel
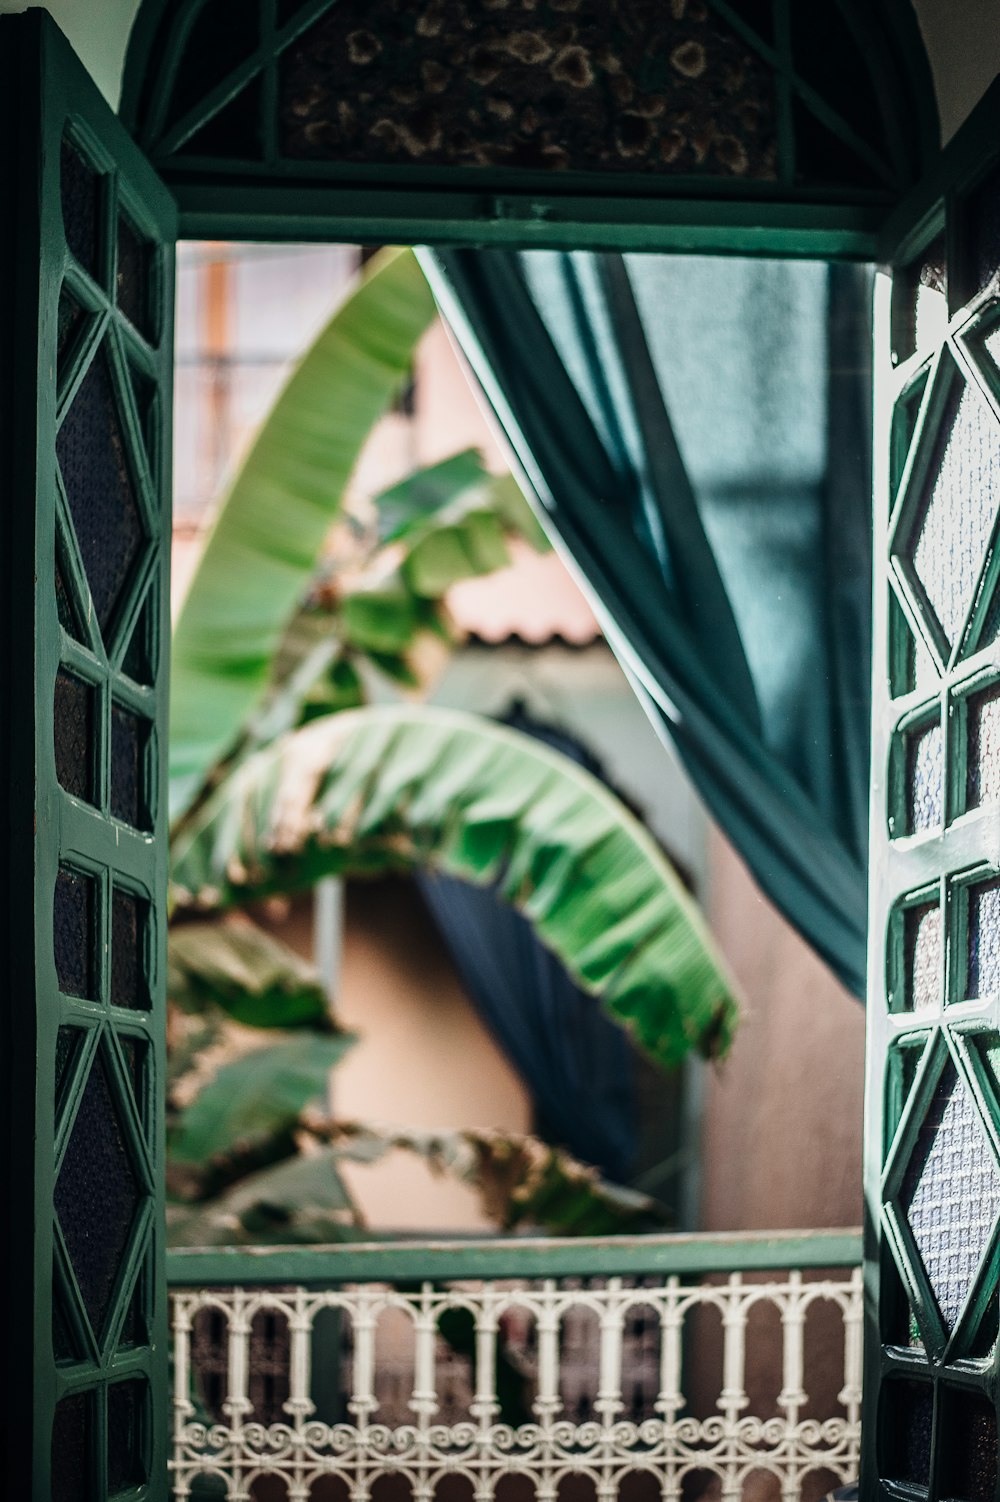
[(564, 120)]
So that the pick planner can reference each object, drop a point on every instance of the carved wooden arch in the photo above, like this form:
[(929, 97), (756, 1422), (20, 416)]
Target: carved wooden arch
[(690, 123)]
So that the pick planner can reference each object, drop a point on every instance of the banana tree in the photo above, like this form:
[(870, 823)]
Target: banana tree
[(280, 777)]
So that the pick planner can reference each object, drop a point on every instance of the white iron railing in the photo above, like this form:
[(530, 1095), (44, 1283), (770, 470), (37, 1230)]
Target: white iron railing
[(583, 1374)]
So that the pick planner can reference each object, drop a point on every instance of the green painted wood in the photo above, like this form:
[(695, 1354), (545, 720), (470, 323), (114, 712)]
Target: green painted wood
[(444, 1261), (84, 487), (931, 1363), (259, 193)]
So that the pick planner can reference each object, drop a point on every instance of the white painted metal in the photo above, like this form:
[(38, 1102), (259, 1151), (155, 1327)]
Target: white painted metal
[(401, 1415)]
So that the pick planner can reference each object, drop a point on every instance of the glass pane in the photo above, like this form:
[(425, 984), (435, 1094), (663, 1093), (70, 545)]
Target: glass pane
[(132, 280), (74, 910), (70, 322), (983, 762), (97, 1193), (959, 506), (983, 971), (79, 192), (135, 1051), (951, 1194), (129, 735), (925, 779), (128, 920), (970, 1446), (137, 662), (71, 1448), (907, 1431), (125, 1465), (922, 939), (95, 471), (73, 734)]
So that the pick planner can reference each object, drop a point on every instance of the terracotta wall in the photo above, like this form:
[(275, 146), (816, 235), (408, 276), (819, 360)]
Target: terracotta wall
[(783, 1116)]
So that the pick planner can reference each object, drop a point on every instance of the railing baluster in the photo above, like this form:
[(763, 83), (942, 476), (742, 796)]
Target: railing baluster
[(420, 1435)]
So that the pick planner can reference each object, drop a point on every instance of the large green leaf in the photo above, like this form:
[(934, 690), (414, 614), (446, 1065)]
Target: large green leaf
[(257, 1097), (300, 1200), (264, 545), (395, 788), (235, 965), (521, 1181)]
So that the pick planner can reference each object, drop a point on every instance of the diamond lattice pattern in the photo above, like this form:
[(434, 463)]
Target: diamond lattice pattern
[(99, 488), (951, 1194), (959, 506), (97, 1193)]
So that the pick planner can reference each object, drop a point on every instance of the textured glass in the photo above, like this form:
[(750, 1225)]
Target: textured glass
[(925, 779), (623, 88), (73, 933), (97, 1193), (125, 1468), (959, 507), (951, 1194), (128, 918), (67, 1042), (91, 450), (983, 760), (79, 190), (909, 1427), (983, 975), (138, 659), (73, 734), (132, 277), (134, 1050), (128, 742), (144, 395), (70, 320), (922, 938), (970, 1450), (71, 1449)]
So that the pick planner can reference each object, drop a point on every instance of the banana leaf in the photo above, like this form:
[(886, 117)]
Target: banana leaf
[(252, 976), (256, 1098), (398, 788), (302, 1200), (521, 1181), (269, 531)]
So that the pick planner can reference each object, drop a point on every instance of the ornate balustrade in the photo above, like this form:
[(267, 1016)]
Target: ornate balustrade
[(655, 1368)]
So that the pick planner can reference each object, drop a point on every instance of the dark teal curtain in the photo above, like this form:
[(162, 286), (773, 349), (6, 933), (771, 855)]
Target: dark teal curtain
[(578, 1065), (696, 433)]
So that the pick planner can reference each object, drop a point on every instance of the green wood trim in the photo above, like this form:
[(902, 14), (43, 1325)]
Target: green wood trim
[(444, 1261), (47, 94), (527, 220), (908, 1050), (279, 198)]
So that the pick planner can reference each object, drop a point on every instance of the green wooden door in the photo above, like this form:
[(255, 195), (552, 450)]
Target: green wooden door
[(86, 253), (933, 1089)]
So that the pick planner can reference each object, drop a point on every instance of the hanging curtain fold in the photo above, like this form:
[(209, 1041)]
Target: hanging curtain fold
[(695, 432), (576, 1064)]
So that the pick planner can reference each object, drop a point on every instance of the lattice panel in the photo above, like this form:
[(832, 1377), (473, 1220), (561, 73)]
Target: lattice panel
[(933, 1156), (950, 504), (951, 1194), (698, 90), (93, 318)]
